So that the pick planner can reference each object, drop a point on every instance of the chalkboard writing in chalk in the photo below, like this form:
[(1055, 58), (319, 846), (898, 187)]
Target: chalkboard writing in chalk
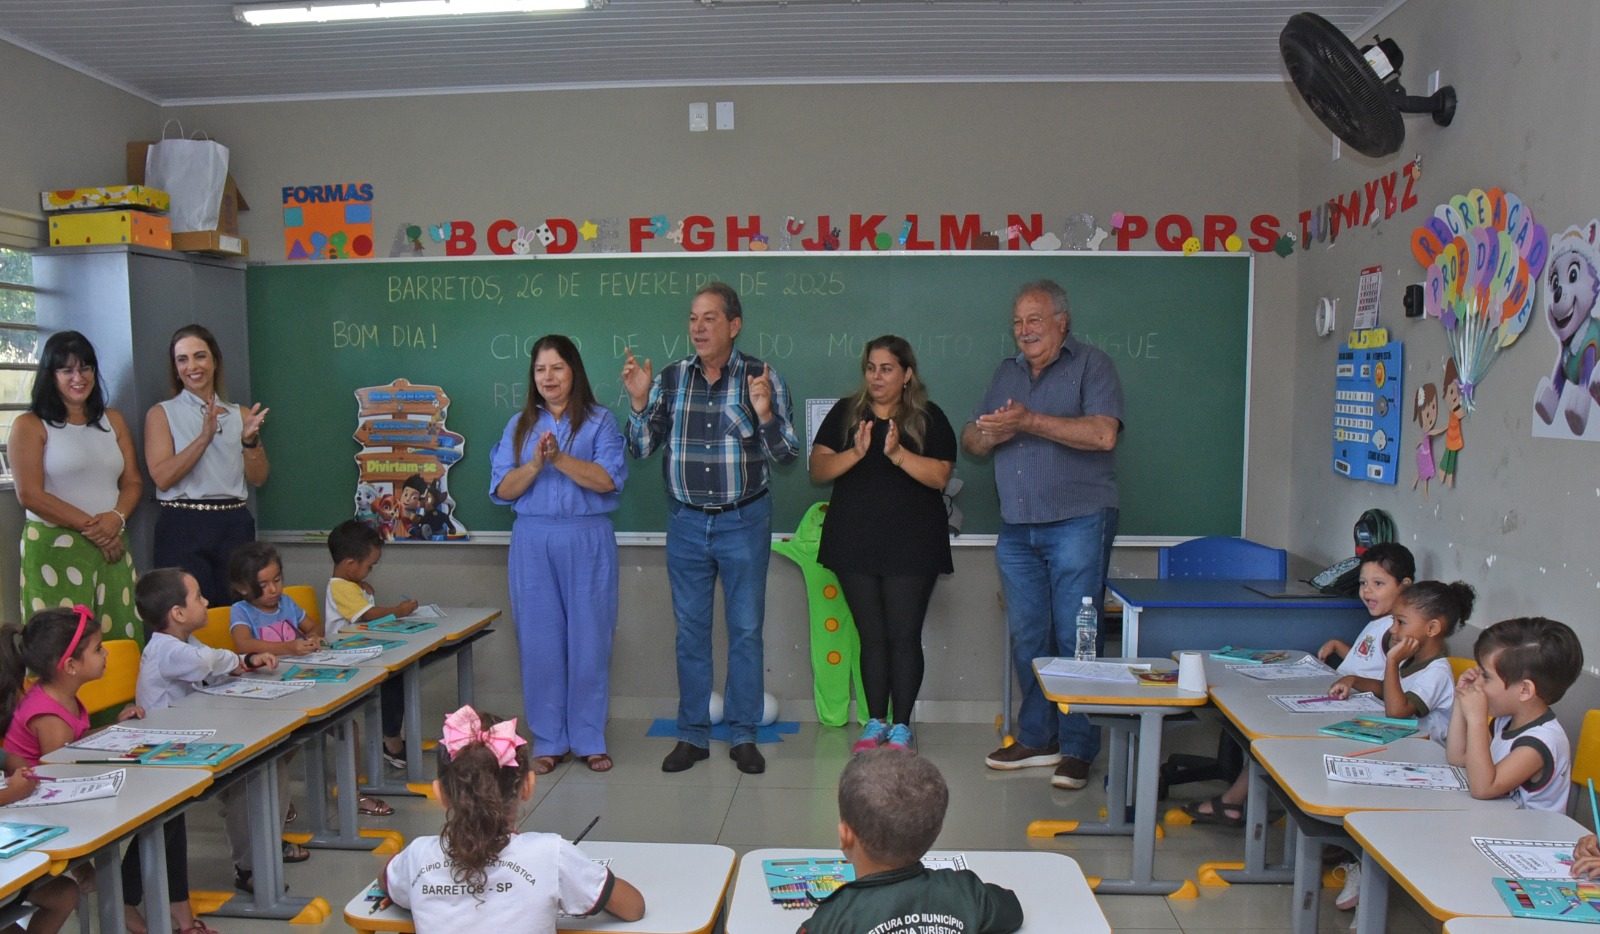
[(1176, 327)]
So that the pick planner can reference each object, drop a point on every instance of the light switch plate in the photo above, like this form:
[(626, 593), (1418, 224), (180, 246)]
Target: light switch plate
[(724, 115)]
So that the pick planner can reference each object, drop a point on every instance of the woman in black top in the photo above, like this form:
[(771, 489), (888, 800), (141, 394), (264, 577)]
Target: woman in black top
[(889, 452)]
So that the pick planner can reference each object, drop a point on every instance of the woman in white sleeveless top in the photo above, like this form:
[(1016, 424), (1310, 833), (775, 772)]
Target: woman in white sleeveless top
[(202, 451), (78, 480)]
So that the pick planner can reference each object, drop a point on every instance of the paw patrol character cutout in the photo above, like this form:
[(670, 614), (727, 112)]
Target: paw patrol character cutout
[(1564, 400), (366, 498)]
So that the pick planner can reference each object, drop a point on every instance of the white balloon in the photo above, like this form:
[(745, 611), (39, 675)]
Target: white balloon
[(769, 710), (716, 708)]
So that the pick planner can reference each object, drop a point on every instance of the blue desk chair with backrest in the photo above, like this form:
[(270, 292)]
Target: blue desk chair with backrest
[(1216, 557)]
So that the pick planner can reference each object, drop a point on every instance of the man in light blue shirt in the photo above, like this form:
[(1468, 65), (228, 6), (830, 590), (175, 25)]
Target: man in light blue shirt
[(1050, 417)]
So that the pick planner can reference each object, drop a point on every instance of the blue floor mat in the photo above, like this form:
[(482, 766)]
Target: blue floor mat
[(668, 728)]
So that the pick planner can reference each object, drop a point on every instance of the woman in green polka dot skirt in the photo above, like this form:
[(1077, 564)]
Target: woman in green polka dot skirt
[(77, 477)]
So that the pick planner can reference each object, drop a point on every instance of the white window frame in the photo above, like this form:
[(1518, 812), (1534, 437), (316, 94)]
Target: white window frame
[(20, 232)]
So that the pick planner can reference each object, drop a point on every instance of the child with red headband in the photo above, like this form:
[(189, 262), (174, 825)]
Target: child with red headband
[(480, 873), (62, 648)]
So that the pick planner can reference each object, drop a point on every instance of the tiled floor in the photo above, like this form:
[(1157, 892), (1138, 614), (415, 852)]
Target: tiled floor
[(793, 804)]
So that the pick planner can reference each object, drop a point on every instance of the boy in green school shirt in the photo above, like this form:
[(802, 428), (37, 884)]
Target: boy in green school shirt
[(891, 807)]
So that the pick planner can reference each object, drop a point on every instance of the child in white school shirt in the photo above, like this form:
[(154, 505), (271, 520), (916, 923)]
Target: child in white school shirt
[(1524, 666), (175, 664), (1386, 569), (1417, 680), (480, 873)]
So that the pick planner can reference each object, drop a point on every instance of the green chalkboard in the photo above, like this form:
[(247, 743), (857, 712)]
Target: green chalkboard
[(1177, 328)]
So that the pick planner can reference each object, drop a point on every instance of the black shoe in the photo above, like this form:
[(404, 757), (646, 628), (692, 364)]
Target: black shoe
[(683, 757), (245, 881), (748, 758)]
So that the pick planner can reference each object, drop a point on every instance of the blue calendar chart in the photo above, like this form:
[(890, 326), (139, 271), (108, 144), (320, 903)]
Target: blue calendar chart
[(1368, 407)]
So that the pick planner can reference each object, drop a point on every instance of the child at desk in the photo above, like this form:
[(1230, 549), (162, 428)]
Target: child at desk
[(891, 808), (1417, 680), (1524, 666), (63, 649), (479, 872), (356, 549), (1386, 569), (173, 665), (262, 620)]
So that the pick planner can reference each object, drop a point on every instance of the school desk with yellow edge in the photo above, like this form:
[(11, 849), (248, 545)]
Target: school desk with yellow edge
[(1432, 856), (149, 795), (1131, 712)]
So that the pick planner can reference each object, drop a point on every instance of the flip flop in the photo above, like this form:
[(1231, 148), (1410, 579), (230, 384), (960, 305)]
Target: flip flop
[(1218, 814), (373, 807), (599, 762)]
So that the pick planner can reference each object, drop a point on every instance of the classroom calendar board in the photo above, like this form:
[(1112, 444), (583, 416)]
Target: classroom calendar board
[(1176, 327), (1368, 405)]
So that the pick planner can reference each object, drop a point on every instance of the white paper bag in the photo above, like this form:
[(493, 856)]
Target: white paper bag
[(193, 172)]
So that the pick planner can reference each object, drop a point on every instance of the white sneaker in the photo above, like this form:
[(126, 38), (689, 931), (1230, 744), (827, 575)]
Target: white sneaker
[(1350, 895)]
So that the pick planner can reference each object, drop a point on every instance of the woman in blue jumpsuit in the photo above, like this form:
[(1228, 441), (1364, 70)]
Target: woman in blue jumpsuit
[(560, 466)]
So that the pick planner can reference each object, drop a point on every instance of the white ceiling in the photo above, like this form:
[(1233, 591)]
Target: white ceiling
[(193, 51)]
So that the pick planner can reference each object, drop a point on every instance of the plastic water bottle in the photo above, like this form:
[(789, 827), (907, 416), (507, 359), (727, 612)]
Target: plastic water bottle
[(1088, 630)]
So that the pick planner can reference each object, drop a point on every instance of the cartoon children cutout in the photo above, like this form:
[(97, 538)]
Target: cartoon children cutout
[(1426, 412), (1453, 441), (409, 498)]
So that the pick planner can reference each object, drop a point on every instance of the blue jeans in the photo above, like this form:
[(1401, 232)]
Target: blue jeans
[(737, 546), (1047, 569)]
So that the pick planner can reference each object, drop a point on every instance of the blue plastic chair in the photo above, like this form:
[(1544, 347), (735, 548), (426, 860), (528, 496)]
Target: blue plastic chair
[(1216, 557), (1219, 557)]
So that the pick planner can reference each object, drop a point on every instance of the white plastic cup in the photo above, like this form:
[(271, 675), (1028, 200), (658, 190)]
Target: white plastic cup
[(1191, 672)]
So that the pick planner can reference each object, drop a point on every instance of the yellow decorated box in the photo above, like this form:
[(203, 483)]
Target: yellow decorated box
[(110, 196), (111, 227)]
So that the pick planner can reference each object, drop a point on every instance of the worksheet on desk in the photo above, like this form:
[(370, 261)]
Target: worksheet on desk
[(1306, 667), (1528, 859), (1394, 774), (253, 688), (1321, 703), (79, 788), (125, 739), (1093, 670)]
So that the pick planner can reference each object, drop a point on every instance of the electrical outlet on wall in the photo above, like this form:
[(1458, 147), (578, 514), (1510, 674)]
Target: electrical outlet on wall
[(699, 117)]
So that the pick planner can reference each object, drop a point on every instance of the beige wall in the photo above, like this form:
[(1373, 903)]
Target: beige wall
[(61, 129), (1151, 149), (1520, 524)]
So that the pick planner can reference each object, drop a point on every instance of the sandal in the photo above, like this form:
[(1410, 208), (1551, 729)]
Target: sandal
[(373, 807), (295, 853), (599, 762), (197, 927), (1222, 813), (544, 765)]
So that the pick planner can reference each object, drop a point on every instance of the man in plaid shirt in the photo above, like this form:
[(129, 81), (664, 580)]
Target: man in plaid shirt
[(722, 415)]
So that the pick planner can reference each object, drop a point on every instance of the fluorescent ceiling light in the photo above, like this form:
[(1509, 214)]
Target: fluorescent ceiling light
[(338, 11)]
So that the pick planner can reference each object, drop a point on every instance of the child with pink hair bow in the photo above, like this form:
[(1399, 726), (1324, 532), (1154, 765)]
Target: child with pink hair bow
[(480, 870)]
